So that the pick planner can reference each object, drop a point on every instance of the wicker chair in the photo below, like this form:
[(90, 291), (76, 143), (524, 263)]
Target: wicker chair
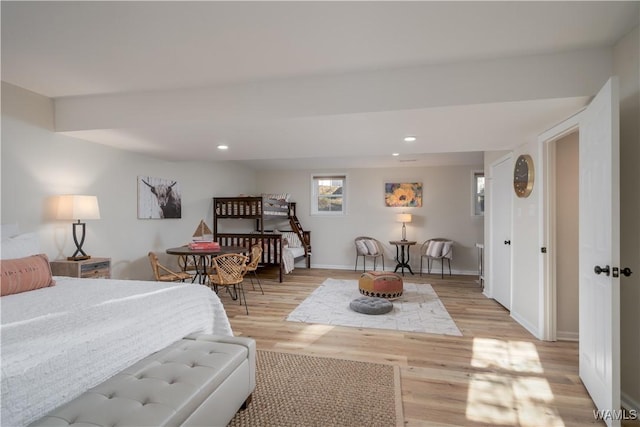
[(229, 272), (368, 247), (252, 265), (164, 274), (436, 249), (188, 265)]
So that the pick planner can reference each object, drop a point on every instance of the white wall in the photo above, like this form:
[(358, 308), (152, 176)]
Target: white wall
[(446, 212), (38, 164), (627, 67)]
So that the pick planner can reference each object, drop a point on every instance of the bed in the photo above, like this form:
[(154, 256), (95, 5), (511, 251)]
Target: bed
[(60, 340), (281, 248)]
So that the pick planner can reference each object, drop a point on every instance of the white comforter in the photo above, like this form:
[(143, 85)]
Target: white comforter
[(59, 341), (288, 258)]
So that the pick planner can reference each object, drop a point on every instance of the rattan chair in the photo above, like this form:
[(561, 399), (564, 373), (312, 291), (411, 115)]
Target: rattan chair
[(438, 249), (252, 265), (188, 265), (164, 274), (229, 272), (368, 247)]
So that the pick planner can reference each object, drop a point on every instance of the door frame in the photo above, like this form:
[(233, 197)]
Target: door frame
[(547, 140)]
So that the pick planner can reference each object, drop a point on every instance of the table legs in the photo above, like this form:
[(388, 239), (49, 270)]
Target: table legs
[(402, 259)]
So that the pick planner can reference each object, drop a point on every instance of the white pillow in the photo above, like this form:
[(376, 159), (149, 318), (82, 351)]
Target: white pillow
[(361, 247), (277, 196), (447, 251), (9, 230), (372, 247), (435, 249), (20, 246), (292, 239)]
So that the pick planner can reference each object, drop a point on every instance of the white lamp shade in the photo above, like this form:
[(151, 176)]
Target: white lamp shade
[(77, 207), (403, 217)]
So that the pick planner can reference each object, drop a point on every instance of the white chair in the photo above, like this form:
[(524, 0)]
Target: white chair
[(438, 249), (368, 247)]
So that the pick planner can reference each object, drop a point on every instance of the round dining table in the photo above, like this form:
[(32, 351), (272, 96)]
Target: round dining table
[(200, 256)]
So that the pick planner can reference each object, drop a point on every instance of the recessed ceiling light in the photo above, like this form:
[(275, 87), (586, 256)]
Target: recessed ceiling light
[(223, 147), (395, 154), (410, 138)]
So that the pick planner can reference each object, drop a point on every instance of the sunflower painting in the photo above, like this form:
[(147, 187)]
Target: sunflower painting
[(406, 194)]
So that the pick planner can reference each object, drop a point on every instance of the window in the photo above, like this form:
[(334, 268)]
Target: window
[(328, 195), (477, 193)]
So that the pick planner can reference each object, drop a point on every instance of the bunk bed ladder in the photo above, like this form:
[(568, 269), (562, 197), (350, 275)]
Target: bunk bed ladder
[(297, 228)]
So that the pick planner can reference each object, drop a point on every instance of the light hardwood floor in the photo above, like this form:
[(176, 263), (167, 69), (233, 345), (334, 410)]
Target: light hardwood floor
[(496, 374)]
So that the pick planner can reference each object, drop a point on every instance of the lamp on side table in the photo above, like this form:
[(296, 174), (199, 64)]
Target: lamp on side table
[(77, 207)]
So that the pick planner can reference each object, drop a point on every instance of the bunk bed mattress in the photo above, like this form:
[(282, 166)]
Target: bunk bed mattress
[(59, 341)]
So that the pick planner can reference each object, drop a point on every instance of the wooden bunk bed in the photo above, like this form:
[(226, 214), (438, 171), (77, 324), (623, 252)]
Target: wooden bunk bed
[(274, 250)]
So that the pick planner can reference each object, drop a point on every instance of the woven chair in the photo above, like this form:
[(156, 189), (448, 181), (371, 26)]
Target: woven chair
[(229, 272), (188, 265), (164, 274), (437, 249), (252, 265), (368, 247)]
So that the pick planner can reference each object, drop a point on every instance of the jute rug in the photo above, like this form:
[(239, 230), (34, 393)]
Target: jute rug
[(299, 390), (418, 309)]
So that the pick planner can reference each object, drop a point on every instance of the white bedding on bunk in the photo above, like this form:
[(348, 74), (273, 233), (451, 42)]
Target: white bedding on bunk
[(288, 258), (59, 341)]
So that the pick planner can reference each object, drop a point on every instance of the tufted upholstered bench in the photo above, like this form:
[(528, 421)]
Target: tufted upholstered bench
[(201, 380)]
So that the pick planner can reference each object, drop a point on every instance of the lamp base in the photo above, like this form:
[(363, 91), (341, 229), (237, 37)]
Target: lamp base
[(78, 258)]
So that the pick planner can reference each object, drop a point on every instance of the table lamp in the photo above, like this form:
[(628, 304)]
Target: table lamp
[(75, 207), (403, 218)]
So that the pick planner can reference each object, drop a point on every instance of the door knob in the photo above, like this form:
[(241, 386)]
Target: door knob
[(597, 269), (626, 271), (507, 242)]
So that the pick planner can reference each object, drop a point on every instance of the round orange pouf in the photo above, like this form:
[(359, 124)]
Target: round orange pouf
[(380, 284)]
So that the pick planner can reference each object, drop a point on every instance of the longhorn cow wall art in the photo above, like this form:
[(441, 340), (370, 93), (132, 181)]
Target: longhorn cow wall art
[(159, 198)]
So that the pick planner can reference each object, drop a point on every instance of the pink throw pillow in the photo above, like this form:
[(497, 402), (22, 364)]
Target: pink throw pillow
[(25, 274)]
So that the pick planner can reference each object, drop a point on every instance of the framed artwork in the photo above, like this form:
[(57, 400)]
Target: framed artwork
[(405, 194), (159, 198)]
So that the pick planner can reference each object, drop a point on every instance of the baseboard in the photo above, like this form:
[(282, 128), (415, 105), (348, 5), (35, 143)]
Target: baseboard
[(525, 324), (629, 403), (567, 336), (387, 268)]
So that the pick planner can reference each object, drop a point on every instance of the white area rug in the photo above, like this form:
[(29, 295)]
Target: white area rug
[(418, 309)]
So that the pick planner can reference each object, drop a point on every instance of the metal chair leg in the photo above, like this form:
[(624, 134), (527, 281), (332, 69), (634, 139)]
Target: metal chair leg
[(258, 279)]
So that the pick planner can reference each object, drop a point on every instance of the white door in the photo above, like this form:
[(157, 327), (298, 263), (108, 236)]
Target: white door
[(500, 211), (600, 248)]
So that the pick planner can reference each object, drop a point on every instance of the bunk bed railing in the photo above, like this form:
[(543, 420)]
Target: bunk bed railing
[(251, 207)]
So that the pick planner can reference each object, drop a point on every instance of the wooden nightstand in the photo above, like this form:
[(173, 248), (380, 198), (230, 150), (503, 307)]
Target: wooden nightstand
[(92, 268)]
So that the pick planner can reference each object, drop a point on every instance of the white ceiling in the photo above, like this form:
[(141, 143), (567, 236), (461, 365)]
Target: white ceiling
[(101, 52)]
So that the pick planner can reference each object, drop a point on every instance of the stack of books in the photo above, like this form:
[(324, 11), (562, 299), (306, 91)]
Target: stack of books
[(202, 245)]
